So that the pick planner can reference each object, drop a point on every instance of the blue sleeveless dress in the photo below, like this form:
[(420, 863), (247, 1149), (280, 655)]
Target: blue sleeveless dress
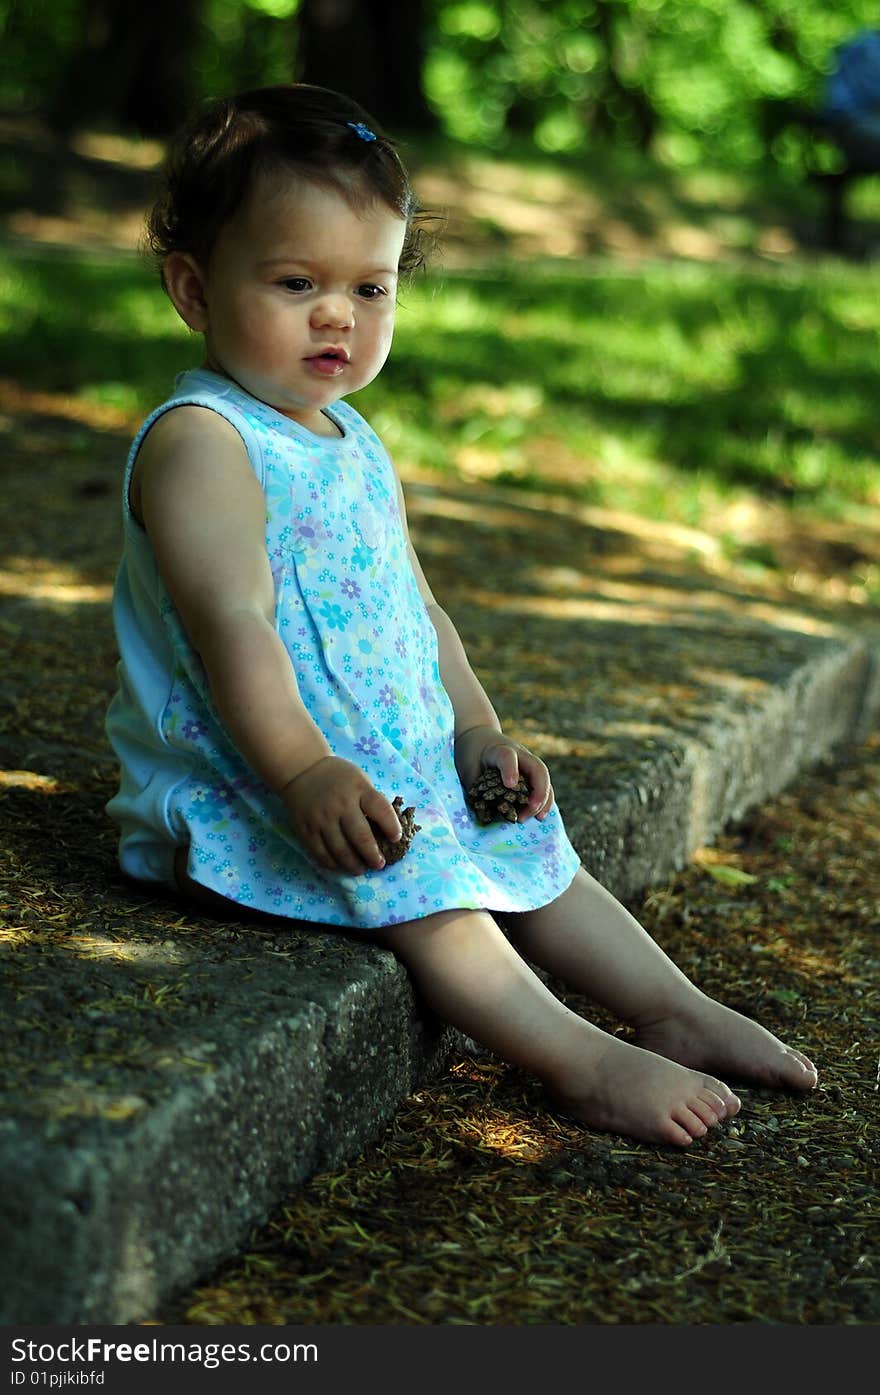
[(364, 653)]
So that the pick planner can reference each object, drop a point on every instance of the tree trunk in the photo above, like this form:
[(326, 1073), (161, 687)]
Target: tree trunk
[(617, 103), (372, 50), (133, 68)]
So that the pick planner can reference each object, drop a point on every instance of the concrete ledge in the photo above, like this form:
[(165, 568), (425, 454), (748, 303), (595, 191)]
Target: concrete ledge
[(120, 1188), (689, 787), (102, 1217)]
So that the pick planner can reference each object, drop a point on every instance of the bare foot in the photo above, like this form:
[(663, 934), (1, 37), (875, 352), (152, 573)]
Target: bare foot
[(708, 1036), (634, 1092)]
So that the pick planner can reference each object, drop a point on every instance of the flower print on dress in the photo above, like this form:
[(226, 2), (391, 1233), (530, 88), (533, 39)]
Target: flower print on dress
[(367, 746), (550, 866), (212, 804), (372, 527), (336, 617), (307, 535), (277, 492), (361, 558), (201, 804), (394, 734), (436, 880), (364, 638), (232, 884)]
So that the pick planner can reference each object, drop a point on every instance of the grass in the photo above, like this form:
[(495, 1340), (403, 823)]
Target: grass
[(669, 390)]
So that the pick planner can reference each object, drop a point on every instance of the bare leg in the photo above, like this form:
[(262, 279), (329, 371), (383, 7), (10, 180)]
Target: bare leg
[(473, 977), (588, 940)]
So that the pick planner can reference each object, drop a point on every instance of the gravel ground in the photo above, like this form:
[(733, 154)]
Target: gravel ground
[(479, 1205)]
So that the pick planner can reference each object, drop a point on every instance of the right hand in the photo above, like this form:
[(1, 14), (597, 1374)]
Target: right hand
[(329, 806)]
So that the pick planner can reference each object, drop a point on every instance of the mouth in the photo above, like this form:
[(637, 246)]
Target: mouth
[(329, 361)]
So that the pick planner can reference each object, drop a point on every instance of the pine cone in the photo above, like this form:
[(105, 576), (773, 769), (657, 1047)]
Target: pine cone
[(393, 852), (492, 801)]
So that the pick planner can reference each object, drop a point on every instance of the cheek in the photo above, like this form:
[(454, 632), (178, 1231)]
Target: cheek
[(259, 338), (384, 335), (253, 323)]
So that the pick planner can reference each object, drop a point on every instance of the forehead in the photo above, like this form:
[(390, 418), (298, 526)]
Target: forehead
[(284, 208)]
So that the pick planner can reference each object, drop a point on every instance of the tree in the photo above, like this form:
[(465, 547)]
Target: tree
[(373, 50), (132, 68)]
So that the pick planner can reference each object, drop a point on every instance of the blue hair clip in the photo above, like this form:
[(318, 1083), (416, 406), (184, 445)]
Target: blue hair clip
[(361, 130)]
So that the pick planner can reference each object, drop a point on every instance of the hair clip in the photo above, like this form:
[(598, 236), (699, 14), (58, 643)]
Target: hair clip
[(361, 130)]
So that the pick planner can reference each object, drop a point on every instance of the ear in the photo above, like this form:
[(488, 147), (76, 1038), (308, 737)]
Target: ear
[(185, 283)]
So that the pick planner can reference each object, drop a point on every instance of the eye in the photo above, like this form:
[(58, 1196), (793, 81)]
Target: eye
[(296, 283), (370, 292)]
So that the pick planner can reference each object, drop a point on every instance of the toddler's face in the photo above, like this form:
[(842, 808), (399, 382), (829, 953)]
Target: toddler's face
[(299, 296)]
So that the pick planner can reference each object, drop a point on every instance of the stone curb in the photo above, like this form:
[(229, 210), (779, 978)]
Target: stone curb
[(101, 1219)]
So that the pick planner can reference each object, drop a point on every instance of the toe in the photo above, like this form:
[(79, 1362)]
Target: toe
[(688, 1119), (677, 1133), (710, 1107), (731, 1102), (805, 1072)]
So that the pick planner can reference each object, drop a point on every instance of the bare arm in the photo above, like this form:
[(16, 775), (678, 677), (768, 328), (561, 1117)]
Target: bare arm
[(205, 515), (479, 739)]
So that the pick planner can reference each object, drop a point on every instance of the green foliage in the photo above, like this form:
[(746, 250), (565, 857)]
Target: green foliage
[(38, 40), (667, 390), (695, 77), (248, 44), (694, 80)]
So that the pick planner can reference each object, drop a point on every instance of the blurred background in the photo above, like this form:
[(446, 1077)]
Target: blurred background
[(635, 304), (689, 81)]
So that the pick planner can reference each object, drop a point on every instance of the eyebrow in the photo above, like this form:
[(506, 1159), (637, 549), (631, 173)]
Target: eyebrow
[(308, 265)]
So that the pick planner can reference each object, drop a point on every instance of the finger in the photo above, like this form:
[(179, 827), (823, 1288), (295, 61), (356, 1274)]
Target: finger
[(541, 792), (343, 854), (546, 806), (376, 807), (319, 852), (506, 762), (541, 796), (363, 842)]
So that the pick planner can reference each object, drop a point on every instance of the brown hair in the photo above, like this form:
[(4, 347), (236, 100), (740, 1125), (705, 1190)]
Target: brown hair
[(323, 136)]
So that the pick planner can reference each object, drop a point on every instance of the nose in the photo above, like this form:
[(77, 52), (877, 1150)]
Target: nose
[(333, 312)]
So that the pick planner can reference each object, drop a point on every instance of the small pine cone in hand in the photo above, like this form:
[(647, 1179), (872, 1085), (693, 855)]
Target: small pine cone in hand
[(393, 852), (491, 800)]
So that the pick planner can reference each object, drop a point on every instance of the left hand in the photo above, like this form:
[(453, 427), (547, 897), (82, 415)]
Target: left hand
[(485, 746)]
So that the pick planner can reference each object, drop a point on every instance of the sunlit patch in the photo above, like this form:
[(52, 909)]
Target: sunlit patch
[(811, 962), (14, 935), (89, 230), (30, 780), (82, 1100), (35, 579), (118, 150), (15, 398), (127, 951), (521, 1140)]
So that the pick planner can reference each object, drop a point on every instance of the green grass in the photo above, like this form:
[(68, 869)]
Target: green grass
[(662, 389)]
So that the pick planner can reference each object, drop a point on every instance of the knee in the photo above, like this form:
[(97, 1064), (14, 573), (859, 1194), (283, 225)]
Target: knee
[(437, 933)]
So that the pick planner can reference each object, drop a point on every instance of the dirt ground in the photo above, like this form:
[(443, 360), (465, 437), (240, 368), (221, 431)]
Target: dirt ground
[(477, 1205)]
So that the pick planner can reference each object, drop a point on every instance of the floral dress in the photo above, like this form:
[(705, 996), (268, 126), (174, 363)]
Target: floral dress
[(364, 653)]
